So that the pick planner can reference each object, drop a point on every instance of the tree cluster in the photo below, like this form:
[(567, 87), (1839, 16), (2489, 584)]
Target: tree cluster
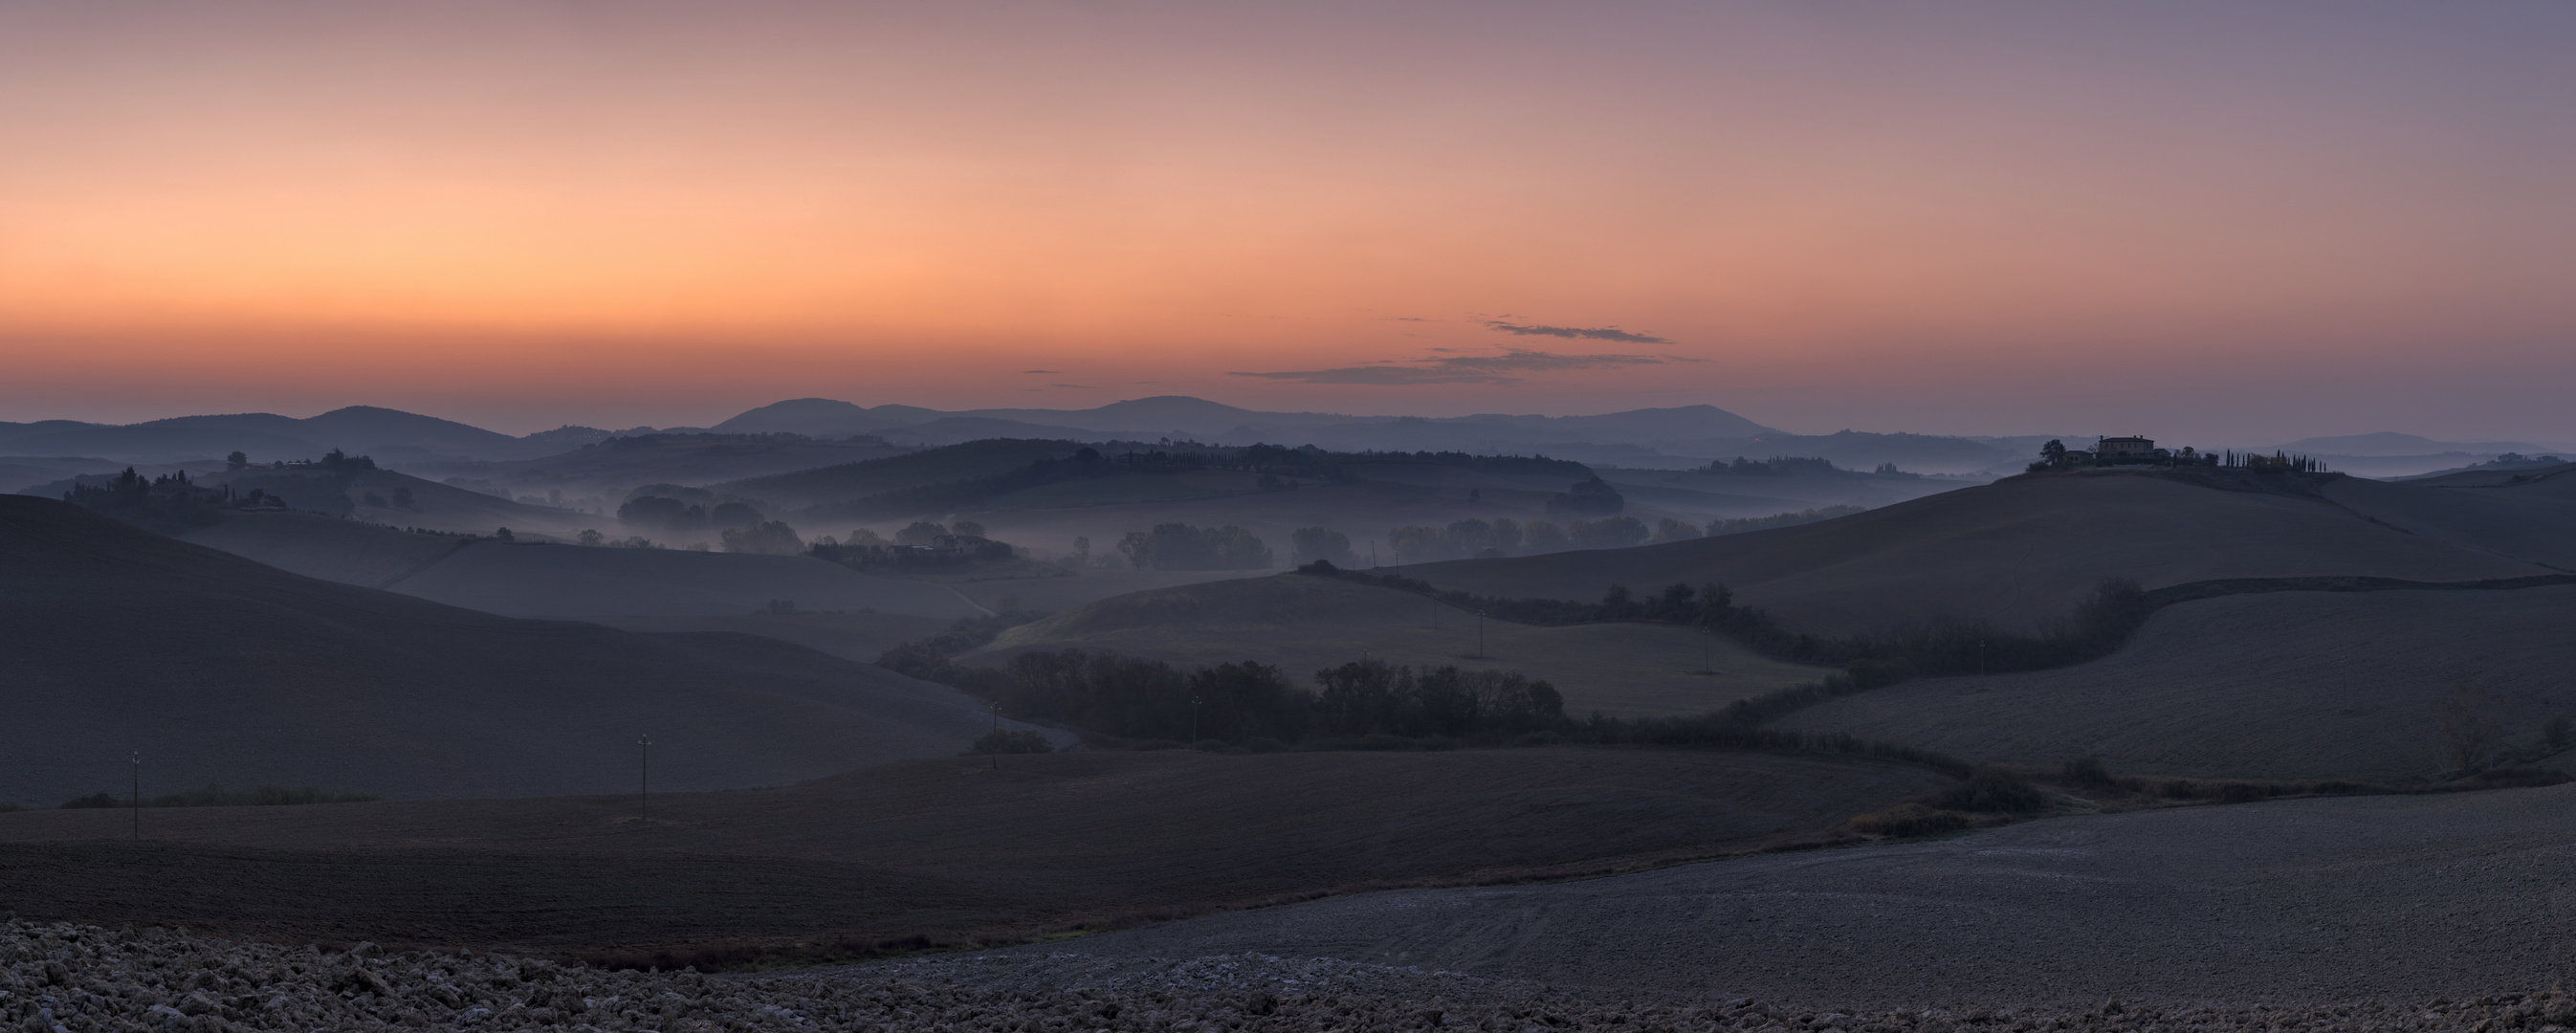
[(1777, 466), (1589, 497), (1178, 546), (678, 516), (1311, 545), (768, 538), (1130, 698)]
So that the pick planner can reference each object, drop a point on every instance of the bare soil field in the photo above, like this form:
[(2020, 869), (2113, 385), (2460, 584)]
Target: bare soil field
[(2017, 553), (217, 669), (2534, 521), (951, 849), (1305, 624), (2353, 900), (80, 976), (2287, 685)]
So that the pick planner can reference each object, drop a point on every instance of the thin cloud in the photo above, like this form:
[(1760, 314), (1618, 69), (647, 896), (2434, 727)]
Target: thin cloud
[(1053, 372), (1592, 333), (1383, 376), (1459, 369), (1085, 387)]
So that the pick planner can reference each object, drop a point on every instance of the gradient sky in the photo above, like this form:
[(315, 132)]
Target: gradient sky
[(2223, 221)]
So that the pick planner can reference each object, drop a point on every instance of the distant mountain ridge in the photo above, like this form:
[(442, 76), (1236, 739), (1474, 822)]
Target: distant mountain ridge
[(1674, 437), (390, 435)]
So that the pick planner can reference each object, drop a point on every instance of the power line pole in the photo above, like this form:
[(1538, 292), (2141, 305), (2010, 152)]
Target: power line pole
[(644, 776), (997, 731), (138, 795)]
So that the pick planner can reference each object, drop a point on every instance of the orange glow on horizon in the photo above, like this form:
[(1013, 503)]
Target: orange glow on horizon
[(1161, 196)]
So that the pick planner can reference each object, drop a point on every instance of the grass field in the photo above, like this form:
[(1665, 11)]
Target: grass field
[(945, 848), (2293, 685), (1304, 624), (2018, 553)]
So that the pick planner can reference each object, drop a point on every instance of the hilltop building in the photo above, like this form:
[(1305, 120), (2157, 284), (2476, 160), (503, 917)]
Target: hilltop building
[(2127, 450)]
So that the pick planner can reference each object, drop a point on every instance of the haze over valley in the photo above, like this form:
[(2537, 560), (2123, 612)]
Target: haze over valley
[(1990, 517)]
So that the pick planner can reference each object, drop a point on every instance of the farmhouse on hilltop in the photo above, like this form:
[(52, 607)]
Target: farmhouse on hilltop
[(2116, 450)]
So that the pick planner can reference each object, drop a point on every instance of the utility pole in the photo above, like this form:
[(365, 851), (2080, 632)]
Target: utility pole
[(1480, 636), (644, 777), (138, 795), (997, 728), (1194, 719)]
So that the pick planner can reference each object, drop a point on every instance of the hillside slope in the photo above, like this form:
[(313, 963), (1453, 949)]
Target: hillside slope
[(1304, 624), (218, 669), (2532, 520), (546, 580), (2293, 685), (948, 848), (2018, 553)]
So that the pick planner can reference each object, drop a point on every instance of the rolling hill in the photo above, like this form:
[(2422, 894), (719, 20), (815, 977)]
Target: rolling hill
[(2285, 685), (400, 499), (2532, 520), (389, 434), (600, 475), (849, 482), (2017, 553), (217, 669), (529, 579), (1304, 624)]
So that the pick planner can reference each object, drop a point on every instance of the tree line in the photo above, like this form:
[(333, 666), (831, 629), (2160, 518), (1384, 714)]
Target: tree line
[(1128, 701)]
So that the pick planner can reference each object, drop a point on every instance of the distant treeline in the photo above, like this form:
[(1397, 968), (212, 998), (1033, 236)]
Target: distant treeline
[(218, 796), (1776, 466), (626, 442), (1739, 525), (1365, 704), (1280, 469), (2099, 625), (1503, 536)]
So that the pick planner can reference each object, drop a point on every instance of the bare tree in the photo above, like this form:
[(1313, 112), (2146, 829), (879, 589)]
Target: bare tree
[(2464, 715)]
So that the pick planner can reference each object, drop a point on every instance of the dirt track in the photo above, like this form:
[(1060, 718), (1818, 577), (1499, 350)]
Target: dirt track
[(2378, 898)]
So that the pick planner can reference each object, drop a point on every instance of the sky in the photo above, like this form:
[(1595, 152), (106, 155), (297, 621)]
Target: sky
[(2249, 221)]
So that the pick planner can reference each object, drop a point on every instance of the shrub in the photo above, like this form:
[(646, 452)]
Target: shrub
[(1321, 545), (1993, 791), (1008, 740), (92, 800), (1909, 819), (2085, 771)]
